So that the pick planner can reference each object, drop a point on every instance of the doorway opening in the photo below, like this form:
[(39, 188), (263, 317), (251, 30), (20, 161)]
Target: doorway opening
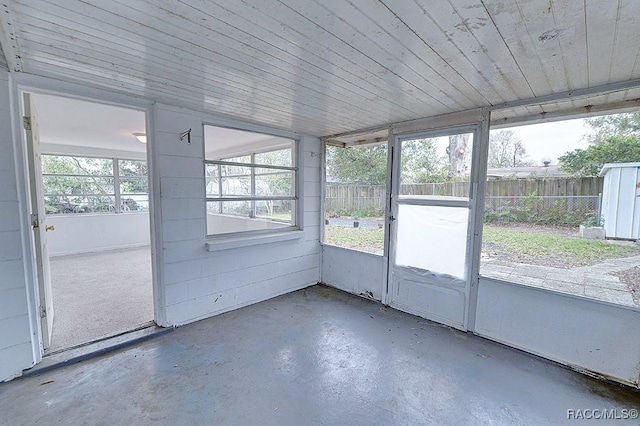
[(90, 217)]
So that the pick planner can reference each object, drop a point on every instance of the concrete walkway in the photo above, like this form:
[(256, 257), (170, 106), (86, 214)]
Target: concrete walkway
[(589, 281)]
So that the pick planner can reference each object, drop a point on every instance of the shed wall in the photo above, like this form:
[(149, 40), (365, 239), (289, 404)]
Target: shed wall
[(621, 203)]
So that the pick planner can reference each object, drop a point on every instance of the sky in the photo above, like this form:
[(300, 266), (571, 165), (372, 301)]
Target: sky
[(551, 140)]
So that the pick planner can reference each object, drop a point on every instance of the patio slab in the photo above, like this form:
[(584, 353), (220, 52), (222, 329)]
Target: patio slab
[(590, 281), (613, 296)]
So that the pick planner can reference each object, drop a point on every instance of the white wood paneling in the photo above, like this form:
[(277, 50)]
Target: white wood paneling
[(613, 55), (324, 68), (579, 332), (474, 49), (373, 30), (197, 283), (3, 61), (354, 271)]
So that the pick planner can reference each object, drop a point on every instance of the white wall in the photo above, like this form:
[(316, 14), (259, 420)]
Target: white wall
[(579, 332), (15, 325), (83, 233), (353, 271), (194, 282), (235, 223), (190, 282)]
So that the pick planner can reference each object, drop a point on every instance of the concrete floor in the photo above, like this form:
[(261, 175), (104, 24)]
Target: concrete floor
[(316, 356), (100, 294)]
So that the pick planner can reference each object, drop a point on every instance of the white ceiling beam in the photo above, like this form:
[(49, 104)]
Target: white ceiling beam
[(589, 110), (569, 94), (568, 114)]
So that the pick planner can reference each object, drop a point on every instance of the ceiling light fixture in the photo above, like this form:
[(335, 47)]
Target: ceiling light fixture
[(142, 137)]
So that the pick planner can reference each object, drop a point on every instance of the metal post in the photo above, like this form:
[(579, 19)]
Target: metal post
[(220, 187), (253, 186), (116, 185)]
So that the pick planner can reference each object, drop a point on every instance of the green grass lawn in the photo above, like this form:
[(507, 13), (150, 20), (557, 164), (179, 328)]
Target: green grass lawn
[(370, 240), (571, 249), (518, 245)]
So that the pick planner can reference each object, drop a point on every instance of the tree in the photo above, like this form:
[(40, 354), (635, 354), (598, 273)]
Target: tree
[(507, 150), (71, 183), (274, 182), (457, 152), (615, 125), (133, 176), (421, 162), (359, 165), (589, 161), (616, 139)]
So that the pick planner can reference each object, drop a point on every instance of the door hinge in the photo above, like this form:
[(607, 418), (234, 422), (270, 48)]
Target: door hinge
[(26, 122), (35, 221), (43, 311)]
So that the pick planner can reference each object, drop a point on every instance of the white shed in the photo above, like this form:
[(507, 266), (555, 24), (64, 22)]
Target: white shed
[(621, 200)]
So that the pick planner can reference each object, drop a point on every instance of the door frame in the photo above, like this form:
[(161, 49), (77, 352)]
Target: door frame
[(478, 124), (21, 83), (38, 220)]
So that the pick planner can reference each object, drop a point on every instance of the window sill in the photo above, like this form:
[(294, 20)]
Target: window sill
[(220, 244)]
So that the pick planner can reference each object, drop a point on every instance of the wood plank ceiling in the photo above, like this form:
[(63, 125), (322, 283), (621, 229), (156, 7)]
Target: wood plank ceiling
[(325, 67), (3, 63)]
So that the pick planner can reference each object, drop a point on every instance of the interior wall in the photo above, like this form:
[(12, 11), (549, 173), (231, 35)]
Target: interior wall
[(15, 326), (236, 223), (196, 283), (591, 335), (84, 233), (191, 282), (354, 271)]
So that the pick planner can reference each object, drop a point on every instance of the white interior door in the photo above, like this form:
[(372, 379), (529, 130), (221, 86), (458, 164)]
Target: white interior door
[(432, 224), (38, 221)]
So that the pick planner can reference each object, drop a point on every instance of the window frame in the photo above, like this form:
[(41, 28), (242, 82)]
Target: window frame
[(116, 194), (297, 184)]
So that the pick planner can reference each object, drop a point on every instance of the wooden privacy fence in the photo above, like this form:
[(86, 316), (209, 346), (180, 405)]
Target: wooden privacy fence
[(545, 187), (364, 200)]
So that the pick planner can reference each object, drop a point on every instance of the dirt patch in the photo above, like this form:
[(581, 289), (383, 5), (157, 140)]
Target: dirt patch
[(497, 252), (538, 229), (631, 277)]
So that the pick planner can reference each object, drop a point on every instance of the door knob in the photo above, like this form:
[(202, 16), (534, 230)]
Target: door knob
[(50, 228)]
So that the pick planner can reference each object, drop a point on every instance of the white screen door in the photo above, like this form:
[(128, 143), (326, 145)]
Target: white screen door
[(38, 221), (431, 212)]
